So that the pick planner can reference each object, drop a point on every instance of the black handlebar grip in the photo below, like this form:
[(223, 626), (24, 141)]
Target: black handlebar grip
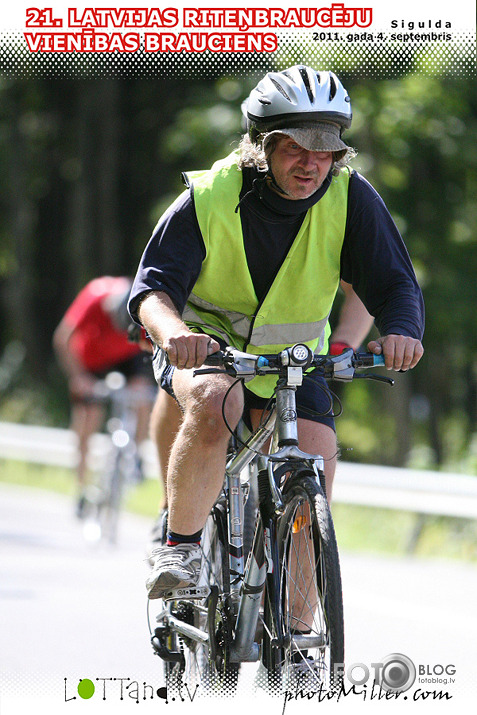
[(215, 359)]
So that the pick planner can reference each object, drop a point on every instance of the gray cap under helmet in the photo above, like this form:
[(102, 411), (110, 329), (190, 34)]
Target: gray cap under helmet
[(297, 98)]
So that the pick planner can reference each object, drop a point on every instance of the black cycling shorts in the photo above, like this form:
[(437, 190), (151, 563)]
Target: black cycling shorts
[(313, 398), (138, 365)]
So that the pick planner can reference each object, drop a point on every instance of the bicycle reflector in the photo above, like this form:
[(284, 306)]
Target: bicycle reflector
[(299, 524)]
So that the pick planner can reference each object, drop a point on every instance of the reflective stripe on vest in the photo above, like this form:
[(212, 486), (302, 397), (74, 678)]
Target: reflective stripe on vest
[(261, 334), (298, 303)]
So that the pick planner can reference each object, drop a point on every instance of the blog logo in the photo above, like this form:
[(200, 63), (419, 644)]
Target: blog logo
[(397, 673)]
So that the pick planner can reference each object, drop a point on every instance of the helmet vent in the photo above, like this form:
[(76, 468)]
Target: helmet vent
[(280, 89), (306, 82), (332, 87)]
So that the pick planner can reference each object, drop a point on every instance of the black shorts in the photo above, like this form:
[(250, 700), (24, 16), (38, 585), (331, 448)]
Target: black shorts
[(137, 366), (313, 398)]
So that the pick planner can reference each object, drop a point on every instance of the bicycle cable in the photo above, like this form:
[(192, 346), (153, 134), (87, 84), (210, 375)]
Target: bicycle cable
[(232, 431), (262, 420), (332, 397), (332, 400), (148, 616)]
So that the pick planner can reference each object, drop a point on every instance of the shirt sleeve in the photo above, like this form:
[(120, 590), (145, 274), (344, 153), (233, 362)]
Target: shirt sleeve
[(375, 261), (172, 260)]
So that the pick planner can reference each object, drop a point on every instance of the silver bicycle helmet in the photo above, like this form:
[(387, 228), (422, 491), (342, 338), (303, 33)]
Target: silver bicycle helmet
[(295, 97)]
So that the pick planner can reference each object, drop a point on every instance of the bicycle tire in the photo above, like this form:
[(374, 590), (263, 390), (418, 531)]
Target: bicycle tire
[(306, 538), (207, 666), (113, 482), (102, 502)]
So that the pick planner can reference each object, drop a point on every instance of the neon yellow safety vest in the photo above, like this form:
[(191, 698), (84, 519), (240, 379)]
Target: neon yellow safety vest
[(298, 303)]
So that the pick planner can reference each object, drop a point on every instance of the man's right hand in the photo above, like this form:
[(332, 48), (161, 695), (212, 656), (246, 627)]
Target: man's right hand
[(187, 350)]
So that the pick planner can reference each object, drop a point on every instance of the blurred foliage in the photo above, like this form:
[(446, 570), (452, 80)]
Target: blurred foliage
[(90, 165)]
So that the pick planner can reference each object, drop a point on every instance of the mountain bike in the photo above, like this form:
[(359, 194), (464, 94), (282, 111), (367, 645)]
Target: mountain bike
[(280, 605), (122, 469)]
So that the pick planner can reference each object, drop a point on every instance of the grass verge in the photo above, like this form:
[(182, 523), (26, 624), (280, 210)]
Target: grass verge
[(364, 529)]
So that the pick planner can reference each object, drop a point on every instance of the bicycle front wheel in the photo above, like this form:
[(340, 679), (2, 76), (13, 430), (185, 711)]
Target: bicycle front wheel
[(103, 502), (304, 644)]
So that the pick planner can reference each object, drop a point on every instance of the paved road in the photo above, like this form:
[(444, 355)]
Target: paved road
[(72, 611)]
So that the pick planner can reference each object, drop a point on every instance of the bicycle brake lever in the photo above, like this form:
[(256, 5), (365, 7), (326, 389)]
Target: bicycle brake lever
[(343, 370), (212, 371), (377, 378)]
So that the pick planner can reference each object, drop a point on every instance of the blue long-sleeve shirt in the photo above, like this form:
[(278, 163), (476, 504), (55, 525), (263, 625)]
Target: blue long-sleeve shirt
[(374, 259)]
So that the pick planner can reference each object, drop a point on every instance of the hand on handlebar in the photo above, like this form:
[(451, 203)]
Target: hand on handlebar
[(400, 352), (344, 367), (188, 350)]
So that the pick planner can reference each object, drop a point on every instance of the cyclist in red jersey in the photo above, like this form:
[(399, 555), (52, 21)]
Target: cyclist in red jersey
[(90, 341)]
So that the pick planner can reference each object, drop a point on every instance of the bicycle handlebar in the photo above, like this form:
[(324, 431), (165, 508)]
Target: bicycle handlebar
[(333, 367)]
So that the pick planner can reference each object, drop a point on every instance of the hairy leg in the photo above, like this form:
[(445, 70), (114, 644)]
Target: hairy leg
[(314, 438), (197, 460), (86, 419), (166, 419)]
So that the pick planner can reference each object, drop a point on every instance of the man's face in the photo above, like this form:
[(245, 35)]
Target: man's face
[(297, 171)]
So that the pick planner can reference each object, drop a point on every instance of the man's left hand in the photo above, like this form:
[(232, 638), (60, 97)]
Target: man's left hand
[(400, 352)]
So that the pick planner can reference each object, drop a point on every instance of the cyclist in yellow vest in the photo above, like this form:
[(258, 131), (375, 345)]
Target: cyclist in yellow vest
[(252, 255)]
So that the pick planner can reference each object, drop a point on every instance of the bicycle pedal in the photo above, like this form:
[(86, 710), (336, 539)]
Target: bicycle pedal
[(191, 592)]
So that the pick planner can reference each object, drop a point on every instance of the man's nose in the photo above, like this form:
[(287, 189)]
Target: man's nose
[(307, 159)]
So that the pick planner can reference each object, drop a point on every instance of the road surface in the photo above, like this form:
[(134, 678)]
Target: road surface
[(73, 611)]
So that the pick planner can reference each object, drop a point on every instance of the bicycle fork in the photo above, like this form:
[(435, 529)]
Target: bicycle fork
[(245, 591), (261, 569)]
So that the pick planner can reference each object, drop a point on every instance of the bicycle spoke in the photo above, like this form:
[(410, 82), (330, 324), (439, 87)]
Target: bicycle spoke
[(312, 613)]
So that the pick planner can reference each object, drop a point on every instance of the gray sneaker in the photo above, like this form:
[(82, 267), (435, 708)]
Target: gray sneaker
[(174, 567), (157, 536)]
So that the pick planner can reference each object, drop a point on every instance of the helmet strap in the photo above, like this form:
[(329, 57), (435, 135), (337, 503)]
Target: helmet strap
[(273, 183), (271, 176)]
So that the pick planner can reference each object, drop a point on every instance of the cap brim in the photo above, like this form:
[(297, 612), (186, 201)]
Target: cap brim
[(323, 136)]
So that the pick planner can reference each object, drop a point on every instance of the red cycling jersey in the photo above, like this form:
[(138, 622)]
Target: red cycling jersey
[(96, 342)]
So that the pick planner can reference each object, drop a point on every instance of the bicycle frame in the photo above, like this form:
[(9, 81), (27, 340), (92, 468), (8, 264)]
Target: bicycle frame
[(247, 587), (262, 564), (248, 581)]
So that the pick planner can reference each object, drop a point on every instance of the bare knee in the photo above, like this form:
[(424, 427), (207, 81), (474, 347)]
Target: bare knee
[(205, 409)]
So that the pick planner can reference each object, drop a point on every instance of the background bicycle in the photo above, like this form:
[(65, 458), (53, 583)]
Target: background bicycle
[(283, 608), (122, 467)]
